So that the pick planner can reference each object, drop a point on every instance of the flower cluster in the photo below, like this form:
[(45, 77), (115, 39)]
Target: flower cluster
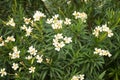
[(103, 28), (59, 41), (78, 77), (38, 15), (29, 29), (82, 16), (33, 53), (15, 54), (9, 39), (3, 72), (102, 52), (56, 23), (11, 22)]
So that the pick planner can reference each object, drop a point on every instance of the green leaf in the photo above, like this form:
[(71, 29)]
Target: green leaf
[(102, 75)]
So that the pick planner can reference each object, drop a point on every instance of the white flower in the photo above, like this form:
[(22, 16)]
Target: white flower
[(103, 28), (2, 43), (15, 49), (3, 72), (97, 51), (32, 23), (68, 2), (15, 54), (59, 45), (43, 0), (10, 38), (106, 29), (83, 16), (76, 14), (55, 42), (27, 20), (47, 60), (55, 16), (28, 57), (15, 66), (39, 58), (81, 77), (97, 30), (110, 34), (28, 31), (75, 78), (49, 21), (58, 36), (11, 22), (57, 24), (31, 69), (38, 15), (23, 27), (59, 41), (67, 39), (78, 77), (32, 50), (67, 21), (106, 53), (57, 48), (86, 0)]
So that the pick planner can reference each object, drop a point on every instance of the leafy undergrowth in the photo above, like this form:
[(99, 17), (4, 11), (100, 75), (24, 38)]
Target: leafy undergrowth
[(74, 40)]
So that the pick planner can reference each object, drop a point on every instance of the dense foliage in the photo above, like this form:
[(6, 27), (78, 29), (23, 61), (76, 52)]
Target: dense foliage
[(60, 40)]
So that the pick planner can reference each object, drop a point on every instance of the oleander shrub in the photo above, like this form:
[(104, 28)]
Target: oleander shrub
[(60, 40)]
